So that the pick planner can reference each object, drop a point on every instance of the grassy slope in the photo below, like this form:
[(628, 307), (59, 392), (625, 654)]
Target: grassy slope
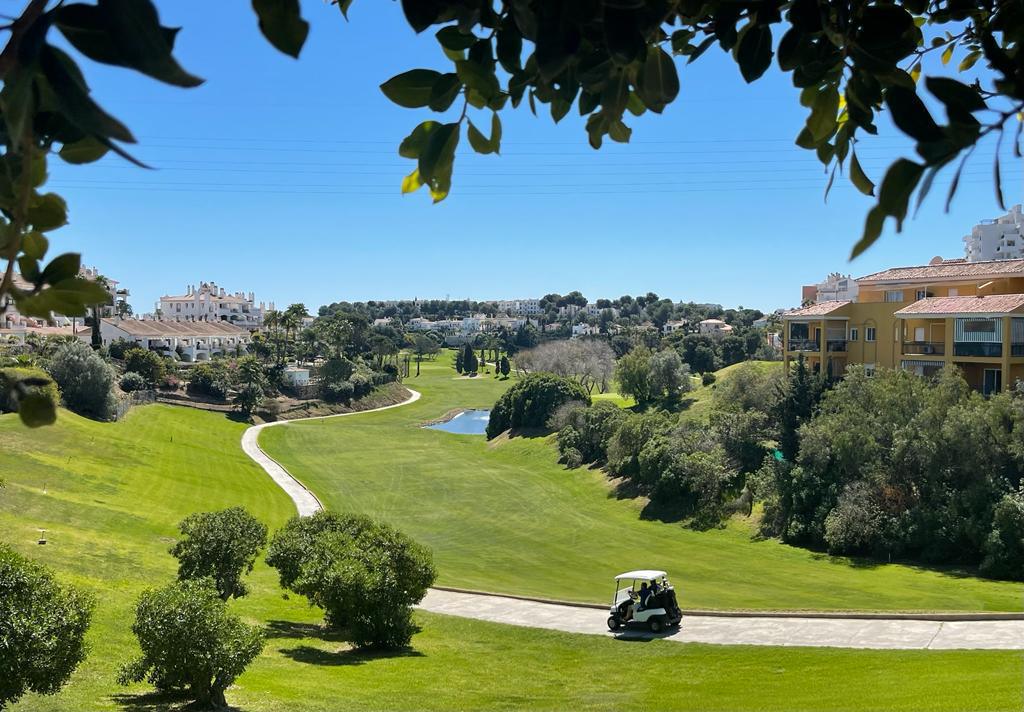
[(697, 402), (114, 493), (505, 516)]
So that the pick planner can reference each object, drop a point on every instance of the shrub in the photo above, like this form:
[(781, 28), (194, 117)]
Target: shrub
[(249, 397), (572, 458), (588, 430), (707, 378), (190, 642), (211, 379), (629, 438), (341, 392), (11, 394), (361, 385), (133, 381), (42, 628), (694, 484), (855, 524), (365, 575), (334, 371), (221, 546), (1004, 548), (531, 402), (118, 347), (169, 383), (86, 382), (147, 364)]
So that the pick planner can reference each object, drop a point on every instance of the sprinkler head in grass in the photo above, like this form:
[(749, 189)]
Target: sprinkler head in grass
[(42, 537)]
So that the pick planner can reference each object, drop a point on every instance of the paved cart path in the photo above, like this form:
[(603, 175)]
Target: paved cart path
[(835, 631)]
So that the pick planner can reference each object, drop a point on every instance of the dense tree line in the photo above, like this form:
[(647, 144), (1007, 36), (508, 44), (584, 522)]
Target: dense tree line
[(889, 466)]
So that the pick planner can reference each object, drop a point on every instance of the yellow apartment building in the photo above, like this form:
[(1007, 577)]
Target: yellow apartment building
[(970, 314)]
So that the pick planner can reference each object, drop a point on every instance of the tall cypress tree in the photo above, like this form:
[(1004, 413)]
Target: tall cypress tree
[(459, 364)]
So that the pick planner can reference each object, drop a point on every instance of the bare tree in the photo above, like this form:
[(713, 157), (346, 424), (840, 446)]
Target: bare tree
[(589, 362)]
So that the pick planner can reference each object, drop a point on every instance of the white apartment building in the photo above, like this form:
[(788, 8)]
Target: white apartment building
[(998, 239), (519, 307), (209, 302), (188, 340), (836, 287), (12, 320)]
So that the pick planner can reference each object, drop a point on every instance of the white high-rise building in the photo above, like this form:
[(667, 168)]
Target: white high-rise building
[(999, 239), (209, 302)]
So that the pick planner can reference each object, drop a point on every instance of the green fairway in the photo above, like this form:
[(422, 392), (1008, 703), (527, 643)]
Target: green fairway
[(111, 494), (505, 516)]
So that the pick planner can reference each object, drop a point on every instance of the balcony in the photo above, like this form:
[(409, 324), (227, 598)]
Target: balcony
[(1017, 349), (836, 345), (930, 348), (804, 345), (986, 349)]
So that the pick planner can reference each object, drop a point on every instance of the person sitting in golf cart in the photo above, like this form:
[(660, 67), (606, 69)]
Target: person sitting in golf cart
[(645, 594)]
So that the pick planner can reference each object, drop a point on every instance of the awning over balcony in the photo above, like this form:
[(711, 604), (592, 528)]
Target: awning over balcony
[(944, 307), (914, 363)]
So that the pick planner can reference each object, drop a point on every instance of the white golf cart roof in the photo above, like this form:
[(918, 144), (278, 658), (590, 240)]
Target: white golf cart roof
[(644, 574)]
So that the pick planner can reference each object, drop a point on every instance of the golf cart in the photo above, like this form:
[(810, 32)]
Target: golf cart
[(662, 610)]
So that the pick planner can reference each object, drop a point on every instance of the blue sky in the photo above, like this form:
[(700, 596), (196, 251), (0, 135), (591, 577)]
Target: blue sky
[(281, 177)]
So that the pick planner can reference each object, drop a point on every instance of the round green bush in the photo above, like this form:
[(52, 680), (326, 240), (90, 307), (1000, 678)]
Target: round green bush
[(132, 381), (531, 402)]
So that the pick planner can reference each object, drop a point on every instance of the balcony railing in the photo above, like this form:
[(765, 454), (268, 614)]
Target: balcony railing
[(836, 345), (937, 348), (804, 345), (978, 348)]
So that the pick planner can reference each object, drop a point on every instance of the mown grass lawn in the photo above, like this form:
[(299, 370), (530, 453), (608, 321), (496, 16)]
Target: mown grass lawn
[(505, 516), (111, 494)]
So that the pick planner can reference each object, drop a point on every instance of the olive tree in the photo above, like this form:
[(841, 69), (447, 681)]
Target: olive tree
[(85, 380), (365, 575), (190, 642), (42, 628), (220, 545)]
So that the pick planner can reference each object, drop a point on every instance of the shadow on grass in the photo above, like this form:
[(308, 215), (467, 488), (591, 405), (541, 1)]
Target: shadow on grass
[(291, 629), (348, 656), (161, 702)]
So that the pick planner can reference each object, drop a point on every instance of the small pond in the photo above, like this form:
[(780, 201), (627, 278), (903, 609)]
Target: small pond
[(468, 422)]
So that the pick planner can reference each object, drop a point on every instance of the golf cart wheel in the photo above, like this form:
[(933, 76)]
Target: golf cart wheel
[(655, 625), (613, 623)]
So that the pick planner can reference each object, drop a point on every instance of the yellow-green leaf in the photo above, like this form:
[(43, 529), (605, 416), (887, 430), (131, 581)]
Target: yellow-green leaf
[(947, 54), (411, 183)]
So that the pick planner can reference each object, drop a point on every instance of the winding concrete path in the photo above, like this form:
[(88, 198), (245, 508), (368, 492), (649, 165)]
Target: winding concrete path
[(832, 630)]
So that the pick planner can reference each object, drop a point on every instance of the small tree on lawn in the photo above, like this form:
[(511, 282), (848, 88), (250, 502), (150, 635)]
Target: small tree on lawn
[(365, 575), (469, 361), (221, 546), (42, 628), (190, 642), (506, 367), (459, 365)]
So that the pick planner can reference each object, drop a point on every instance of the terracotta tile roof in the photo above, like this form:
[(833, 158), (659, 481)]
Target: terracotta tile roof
[(993, 304), (948, 270), (151, 328), (819, 309)]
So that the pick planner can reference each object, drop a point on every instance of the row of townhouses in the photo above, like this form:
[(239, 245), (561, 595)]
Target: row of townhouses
[(13, 323)]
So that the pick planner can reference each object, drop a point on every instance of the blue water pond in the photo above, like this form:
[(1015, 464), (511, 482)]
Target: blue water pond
[(468, 422)]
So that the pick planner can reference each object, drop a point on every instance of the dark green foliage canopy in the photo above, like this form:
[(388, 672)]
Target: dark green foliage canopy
[(42, 628), (190, 642), (85, 380), (146, 363), (221, 546), (531, 402), (364, 574)]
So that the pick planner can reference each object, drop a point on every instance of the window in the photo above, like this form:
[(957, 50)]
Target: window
[(894, 295), (853, 334), (869, 369), (798, 331), (953, 292), (921, 294), (869, 333), (980, 326)]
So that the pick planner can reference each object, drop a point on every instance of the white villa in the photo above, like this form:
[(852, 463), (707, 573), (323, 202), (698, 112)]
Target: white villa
[(209, 302), (674, 325), (715, 327), (193, 340)]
